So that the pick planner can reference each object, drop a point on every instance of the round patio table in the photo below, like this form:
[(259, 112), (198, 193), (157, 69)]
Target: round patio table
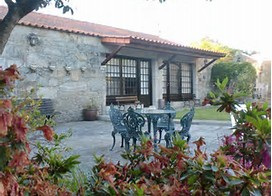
[(153, 116)]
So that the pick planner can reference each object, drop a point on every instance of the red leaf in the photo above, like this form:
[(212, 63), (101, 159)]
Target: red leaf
[(9, 75), (5, 122), (19, 160), (2, 189), (200, 142), (48, 132), (5, 104), (19, 128)]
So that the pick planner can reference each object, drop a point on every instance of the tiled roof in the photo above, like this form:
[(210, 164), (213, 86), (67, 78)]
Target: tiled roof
[(46, 21)]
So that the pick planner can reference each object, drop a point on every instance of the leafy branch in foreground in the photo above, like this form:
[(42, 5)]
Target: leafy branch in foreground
[(240, 166), (19, 175)]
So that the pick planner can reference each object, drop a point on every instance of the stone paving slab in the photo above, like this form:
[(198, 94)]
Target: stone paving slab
[(94, 137)]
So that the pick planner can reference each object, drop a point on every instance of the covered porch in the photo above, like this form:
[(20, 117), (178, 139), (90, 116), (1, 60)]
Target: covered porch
[(153, 70)]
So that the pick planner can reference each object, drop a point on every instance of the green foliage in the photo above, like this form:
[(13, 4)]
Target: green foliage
[(241, 166), (209, 44), (226, 100), (28, 108), (20, 175), (205, 113), (51, 156), (242, 76), (75, 181), (171, 171)]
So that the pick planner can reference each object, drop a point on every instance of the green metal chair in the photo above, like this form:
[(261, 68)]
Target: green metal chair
[(185, 122), (116, 118), (134, 123), (164, 123)]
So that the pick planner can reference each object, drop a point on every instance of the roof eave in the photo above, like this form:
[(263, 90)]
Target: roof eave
[(164, 47)]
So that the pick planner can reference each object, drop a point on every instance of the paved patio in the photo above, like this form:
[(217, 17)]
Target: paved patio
[(94, 137)]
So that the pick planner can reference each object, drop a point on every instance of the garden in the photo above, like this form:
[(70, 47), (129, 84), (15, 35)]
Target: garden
[(240, 166)]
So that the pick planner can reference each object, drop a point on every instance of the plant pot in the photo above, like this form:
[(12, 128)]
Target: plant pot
[(89, 114)]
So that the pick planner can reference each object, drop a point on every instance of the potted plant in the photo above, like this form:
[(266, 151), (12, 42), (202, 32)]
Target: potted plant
[(90, 112)]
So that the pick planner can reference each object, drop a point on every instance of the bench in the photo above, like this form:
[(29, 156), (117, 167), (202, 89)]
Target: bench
[(121, 101), (126, 99), (47, 108)]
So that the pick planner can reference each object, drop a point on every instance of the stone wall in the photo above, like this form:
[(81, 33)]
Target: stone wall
[(202, 79), (67, 68), (62, 66)]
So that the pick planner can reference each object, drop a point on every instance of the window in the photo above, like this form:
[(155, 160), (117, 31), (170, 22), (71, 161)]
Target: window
[(128, 76), (121, 77), (181, 82), (144, 69)]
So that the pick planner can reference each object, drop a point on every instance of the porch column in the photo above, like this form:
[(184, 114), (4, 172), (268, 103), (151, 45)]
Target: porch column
[(167, 82)]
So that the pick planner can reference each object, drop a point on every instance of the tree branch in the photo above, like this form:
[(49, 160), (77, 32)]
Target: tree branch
[(10, 3), (28, 6)]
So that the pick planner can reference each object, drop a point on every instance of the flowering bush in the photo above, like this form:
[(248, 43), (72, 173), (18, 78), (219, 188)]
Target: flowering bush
[(19, 175), (241, 166)]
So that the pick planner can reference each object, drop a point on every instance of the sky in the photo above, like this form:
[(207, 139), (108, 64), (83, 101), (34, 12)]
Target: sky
[(239, 24)]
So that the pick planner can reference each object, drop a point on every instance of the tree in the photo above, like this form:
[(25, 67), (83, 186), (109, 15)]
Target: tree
[(17, 9), (209, 44), (242, 76)]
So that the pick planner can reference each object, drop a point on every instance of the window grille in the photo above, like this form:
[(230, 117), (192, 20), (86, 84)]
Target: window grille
[(128, 76), (144, 73), (181, 85)]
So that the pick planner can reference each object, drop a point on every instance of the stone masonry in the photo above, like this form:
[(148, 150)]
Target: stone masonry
[(66, 67), (62, 66)]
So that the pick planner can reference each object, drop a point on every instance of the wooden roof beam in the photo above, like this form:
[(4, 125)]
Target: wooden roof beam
[(110, 56), (206, 65), (167, 61)]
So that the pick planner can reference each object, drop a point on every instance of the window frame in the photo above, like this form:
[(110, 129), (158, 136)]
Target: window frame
[(179, 95), (140, 84)]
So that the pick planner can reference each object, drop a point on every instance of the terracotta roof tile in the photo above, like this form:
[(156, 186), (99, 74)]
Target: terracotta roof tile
[(46, 21)]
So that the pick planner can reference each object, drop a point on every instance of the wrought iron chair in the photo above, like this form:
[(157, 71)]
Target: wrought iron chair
[(133, 122), (185, 122), (116, 118), (164, 123)]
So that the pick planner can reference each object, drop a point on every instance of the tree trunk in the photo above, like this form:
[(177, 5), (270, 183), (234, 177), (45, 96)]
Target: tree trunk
[(16, 11), (6, 27)]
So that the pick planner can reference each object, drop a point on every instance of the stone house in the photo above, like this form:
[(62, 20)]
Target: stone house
[(73, 62)]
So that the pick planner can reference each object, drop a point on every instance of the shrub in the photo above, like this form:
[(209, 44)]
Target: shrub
[(239, 167), (20, 175)]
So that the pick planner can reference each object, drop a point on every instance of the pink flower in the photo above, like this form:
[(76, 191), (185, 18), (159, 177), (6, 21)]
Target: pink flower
[(266, 158)]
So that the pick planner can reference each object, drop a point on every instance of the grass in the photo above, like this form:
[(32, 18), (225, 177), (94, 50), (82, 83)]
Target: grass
[(205, 113)]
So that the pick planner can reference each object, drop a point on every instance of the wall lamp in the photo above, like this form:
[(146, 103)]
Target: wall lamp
[(33, 39)]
